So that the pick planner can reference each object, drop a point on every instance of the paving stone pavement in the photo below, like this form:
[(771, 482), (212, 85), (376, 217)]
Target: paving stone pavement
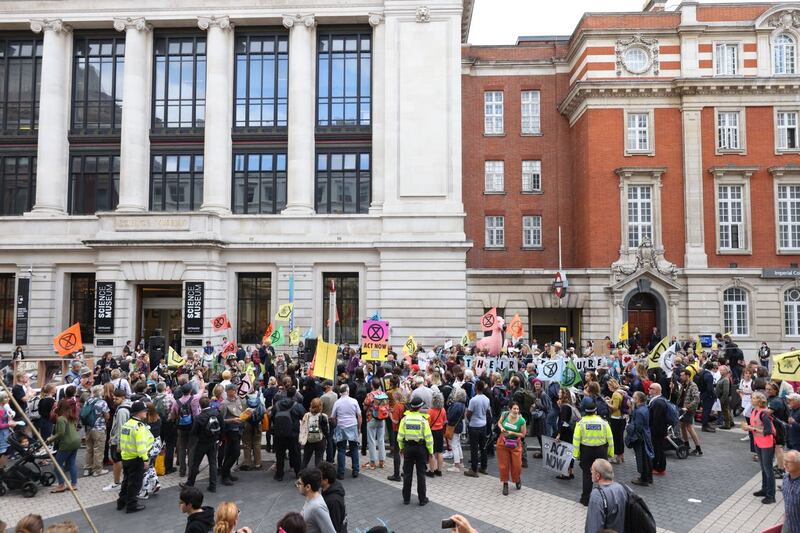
[(723, 479)]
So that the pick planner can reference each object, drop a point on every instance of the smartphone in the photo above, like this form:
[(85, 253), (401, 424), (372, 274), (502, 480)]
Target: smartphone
[(448, 523)]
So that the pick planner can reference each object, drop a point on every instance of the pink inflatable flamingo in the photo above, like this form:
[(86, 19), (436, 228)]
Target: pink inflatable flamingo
[(494, 343)]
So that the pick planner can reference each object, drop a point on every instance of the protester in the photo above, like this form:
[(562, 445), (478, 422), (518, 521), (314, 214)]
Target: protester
[(7, 422), (567, 419), (314, 433), (658, 428), (204, 433), (723, 389), (478, 415), (791, 492), (688, 401), (346, 416), (94, 422), (31, 523), (315, 511), (639, 438), (608, 501), (182, 415), (135, 442), (398, 407), (762, 429), (231, 411), (415, 441), (199, 518), (376, 408), (334, 495), (619, 408), (251, 431), (226, 519), (437, 418), (67, 441), (592, 440), (455, 426), (512, 428), (291, 523), (285, 425), (121, 415)]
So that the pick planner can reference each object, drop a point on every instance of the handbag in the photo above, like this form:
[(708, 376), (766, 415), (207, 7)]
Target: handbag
[(449, 431), (510, 444)]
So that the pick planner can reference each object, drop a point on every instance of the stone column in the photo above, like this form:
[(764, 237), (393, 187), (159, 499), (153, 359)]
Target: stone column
[(693, 188), (134, 182), (219, 109), (378, 112), (52, 166), (301, 154), (764, 49)]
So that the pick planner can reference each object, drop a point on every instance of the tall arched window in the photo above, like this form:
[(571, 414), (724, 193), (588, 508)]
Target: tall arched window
[(791, 312), (785, 54), (736, 311)]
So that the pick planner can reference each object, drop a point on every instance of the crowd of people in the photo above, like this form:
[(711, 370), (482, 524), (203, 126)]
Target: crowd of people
[(135, 413)]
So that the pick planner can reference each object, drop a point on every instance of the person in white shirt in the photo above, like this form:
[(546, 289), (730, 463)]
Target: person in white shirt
[(346, 415)]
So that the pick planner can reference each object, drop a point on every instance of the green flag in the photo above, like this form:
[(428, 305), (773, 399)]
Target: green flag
[(570, 377), (277, 338)]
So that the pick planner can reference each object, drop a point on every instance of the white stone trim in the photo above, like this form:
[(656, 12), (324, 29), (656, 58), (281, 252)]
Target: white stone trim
[(785, 107), (639, 176), (742, 111), (734, 176), (782, 176), (651, 131), (750, 291)]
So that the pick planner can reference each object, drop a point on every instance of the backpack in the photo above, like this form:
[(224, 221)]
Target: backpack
[(213, 427), (88, 414), (161, 407), (501, 395), (33, 408), (257, 410), (526, 400), (185, 417), (603, 410), (314, 430), (625, 406), (554, 391), (380, 406), (637, 515), (361, 392), (282, 423), (699, 381)]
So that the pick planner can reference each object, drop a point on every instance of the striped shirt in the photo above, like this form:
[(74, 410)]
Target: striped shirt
[(791, 503)]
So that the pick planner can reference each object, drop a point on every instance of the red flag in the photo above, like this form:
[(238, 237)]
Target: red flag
[(267, 333), (69, 340), (221, 322), (515, 327), (489, 319), (229, 347)]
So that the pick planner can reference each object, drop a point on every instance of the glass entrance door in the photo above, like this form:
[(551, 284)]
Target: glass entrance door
[(161, 315), (164, 322)]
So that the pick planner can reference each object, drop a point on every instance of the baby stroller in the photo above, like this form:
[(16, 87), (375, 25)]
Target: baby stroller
[(150, 484), (674, 441), (22, 471)]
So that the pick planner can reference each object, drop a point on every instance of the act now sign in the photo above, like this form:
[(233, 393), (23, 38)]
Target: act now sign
[(556, 456)]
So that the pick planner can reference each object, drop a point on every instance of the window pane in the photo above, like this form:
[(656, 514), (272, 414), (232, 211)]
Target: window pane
[(343, 183), (20, 72), (344, 80), (82, 304), (254, 306), (180, 83), (17, 184), (176, 183), (346, 318)]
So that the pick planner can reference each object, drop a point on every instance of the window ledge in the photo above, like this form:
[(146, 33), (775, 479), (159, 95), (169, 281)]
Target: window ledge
[(782, 151), (495, 248), (539, 134), (494, 134), (494, 193), (727, 151), (630, 153), (531, 193), (788, 251), (743, 251), (532, 248)]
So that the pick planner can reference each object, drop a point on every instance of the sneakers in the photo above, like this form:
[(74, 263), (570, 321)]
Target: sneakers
[(447, 455), (505, 489), (518, 485), (111, 488), (87, 472), (453, 469), (99, 473)]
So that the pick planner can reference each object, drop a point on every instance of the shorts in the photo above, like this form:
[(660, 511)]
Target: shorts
[(687, 417), (113, 452), (438, 440)]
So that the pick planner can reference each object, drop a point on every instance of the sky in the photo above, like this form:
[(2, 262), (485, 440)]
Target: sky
[(502, 21)]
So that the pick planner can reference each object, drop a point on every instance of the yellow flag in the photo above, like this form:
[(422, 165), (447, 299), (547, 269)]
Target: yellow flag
[(284, 313), (698, 347), (294, 336), (654, 359), (786, 366), (410, 346), (324, 363), (623, 332), (465, 339), (173, 359)]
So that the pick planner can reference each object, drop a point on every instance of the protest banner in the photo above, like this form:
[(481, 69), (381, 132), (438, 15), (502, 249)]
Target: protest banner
[(556, 456), (375, 340)]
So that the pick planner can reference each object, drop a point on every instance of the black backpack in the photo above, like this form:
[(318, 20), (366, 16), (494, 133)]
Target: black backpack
[(638, 517), (282, 423), (213, 427), (699, 381)]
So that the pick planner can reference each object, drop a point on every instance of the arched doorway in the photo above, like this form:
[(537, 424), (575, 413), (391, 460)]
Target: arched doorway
[(643, 313)]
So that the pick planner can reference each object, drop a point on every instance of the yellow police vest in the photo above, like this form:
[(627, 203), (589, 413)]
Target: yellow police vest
[(414, 427), (135, 440), (593, 431)]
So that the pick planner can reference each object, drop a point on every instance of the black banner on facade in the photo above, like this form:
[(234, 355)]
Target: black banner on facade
[(193, 308), (23, 298), (104, 308)]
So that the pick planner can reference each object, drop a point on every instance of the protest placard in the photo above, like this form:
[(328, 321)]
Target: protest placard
[(556, 456)]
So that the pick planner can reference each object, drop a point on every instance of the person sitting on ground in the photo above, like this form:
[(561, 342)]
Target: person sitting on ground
[(607, 502), (200, 519)]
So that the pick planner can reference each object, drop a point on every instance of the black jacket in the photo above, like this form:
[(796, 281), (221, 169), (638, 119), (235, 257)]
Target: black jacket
[(658, 418), (296, 409), (198, 432), (334, 499), (201, 522)]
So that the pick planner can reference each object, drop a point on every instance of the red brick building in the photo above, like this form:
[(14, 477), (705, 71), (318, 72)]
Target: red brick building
[(665, 146)]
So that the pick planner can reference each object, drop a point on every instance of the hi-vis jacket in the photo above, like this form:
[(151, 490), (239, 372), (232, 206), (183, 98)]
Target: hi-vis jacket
[(135, 440), (414, 427), (591, 430)]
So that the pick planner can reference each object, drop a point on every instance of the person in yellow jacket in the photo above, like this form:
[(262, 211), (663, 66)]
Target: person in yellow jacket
[(135, 441), (591, 440), (415, 441)]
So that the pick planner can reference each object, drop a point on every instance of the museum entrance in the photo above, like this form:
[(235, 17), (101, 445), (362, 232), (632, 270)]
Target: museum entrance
[(159, 316), (642, 313)]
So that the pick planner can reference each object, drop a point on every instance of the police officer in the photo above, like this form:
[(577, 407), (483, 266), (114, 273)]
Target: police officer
[(592, 440), (415, 441), (135, 441)]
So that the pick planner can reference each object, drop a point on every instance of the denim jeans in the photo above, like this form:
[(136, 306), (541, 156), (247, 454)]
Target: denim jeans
[(375, 443), (68, 462), (765, 457), (341, 457)]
